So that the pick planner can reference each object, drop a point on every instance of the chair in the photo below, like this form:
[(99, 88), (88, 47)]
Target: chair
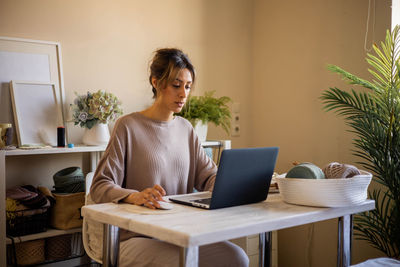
[(378, 262), (88, 183), (92, 234), (85, 235)]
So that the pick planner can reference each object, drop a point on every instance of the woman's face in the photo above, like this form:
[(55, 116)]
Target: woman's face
[(174, 96)]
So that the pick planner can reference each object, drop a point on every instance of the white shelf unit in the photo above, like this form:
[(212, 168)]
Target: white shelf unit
[(95, 154)]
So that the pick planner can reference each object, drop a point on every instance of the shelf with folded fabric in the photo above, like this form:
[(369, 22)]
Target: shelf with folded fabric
[(12, 160)]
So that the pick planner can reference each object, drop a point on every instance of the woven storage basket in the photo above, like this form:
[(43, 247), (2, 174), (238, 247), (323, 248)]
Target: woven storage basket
[(19, 224), (58, 247), (66, 212), (30, 252), (325, 192)]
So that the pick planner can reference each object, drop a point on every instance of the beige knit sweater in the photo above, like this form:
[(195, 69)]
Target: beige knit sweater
[(143, 152)]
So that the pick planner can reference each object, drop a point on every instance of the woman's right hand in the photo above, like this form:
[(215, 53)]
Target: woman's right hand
[(148, 197)]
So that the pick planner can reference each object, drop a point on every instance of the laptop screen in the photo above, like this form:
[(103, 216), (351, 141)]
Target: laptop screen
[(244, 176)]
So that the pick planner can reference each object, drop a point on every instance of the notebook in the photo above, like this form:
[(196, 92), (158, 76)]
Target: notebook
[(243, 177)]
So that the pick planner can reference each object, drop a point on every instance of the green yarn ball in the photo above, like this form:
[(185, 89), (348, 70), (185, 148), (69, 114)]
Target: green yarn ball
[(306, 170)]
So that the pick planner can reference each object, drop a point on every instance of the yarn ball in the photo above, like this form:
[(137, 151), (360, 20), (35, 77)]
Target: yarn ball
[(306, 170), (69, 180), (339, 170)]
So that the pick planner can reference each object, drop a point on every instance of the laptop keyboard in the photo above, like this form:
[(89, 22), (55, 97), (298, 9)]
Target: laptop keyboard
[(203, 201)]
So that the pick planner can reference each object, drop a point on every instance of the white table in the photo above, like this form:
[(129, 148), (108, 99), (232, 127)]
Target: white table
[(192, 227)]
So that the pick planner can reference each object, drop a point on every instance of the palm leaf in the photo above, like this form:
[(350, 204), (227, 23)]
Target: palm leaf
[(381, 64), (352, 78)]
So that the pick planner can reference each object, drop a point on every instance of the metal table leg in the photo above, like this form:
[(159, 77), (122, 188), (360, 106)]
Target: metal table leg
[(345, 236), (189, 257), (265, 249), (110, 245)]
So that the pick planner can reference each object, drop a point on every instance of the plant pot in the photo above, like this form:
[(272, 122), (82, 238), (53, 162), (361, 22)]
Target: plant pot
[(201, 129), (96, 136)]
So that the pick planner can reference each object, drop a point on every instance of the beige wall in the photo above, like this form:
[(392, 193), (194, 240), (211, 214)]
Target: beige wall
[(269, 56), (108, 44), (293, 41)]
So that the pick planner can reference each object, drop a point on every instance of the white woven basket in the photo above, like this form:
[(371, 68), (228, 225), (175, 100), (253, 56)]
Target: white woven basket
[(325, 192)]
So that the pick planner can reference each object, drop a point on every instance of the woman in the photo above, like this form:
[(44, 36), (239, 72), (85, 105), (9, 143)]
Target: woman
[(153, 153)]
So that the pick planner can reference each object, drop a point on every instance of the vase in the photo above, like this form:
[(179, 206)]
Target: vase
[(96, 136), (201, 129)]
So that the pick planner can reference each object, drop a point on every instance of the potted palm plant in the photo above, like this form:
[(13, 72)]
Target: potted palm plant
[(374, 117), (200, 110)]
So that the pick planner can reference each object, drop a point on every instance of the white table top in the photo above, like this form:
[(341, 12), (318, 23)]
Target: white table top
[(188, 226)]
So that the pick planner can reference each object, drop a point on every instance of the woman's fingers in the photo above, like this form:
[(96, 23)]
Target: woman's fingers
[(151, 196), (150, 205), (157, 195), (151, 199), (160, 189)]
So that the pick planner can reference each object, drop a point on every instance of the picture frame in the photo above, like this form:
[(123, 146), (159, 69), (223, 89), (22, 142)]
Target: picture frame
[(29, 60), (37, 112)]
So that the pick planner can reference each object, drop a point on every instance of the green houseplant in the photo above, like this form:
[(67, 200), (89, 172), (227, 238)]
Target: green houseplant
[(208, 108), (374, 117)]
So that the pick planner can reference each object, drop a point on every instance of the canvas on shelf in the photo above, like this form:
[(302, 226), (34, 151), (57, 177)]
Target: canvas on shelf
[(37, 112)]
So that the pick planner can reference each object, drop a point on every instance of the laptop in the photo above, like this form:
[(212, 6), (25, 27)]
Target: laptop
[(243, 177)]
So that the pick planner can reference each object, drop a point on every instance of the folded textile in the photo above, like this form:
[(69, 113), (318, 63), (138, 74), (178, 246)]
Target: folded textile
[(45, 191), (28, 195), (20, 193), (15, 208), (39, 201)]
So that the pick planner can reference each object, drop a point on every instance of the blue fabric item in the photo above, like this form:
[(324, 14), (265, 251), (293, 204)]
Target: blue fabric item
[(209, 152)]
